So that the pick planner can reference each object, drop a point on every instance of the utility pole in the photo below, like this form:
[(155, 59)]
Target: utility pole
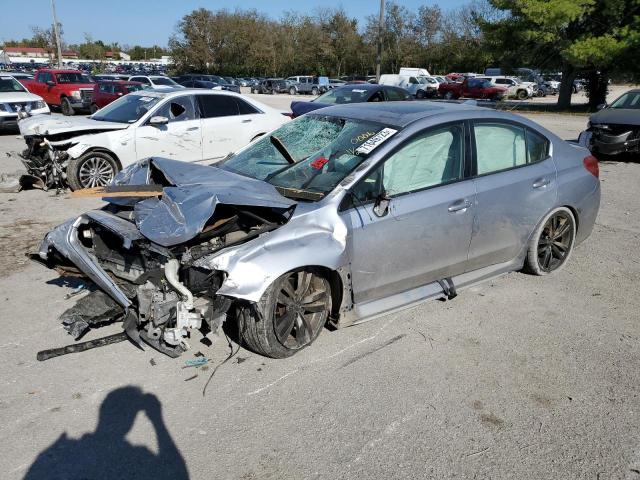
[(56, 31), (380, 28)]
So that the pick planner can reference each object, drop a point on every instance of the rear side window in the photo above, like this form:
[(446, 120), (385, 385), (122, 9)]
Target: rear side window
[(245, 108), (537, 147), (217, 106), (499, 147)]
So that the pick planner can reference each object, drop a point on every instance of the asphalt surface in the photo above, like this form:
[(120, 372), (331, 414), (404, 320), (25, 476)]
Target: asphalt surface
[(520, 377)]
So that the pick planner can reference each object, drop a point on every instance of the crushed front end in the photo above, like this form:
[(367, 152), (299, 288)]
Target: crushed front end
[(613, 139), (145, 255)]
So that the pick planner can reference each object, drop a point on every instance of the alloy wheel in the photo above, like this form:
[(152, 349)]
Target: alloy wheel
[(95, 172), (555, 241), (301, 310)]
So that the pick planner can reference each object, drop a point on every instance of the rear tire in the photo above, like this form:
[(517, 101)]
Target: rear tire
[(289, 316), (292, 91), (93, 169), (65, 106), (522, 95), (552, 243), (315, 91), (420, 94)]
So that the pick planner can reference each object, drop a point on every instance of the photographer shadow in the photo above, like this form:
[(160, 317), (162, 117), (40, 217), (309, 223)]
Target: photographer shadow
[(106, 453)]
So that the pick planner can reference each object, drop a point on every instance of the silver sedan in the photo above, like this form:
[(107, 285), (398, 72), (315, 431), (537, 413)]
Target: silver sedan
[(340, 216)]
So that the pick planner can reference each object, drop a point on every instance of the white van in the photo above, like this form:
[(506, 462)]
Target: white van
[(414, 72), (419, 87)]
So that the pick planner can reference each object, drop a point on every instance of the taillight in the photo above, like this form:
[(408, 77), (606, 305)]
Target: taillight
[(591, 164)]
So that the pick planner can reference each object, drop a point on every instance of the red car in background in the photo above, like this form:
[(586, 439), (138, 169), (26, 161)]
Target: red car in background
[(106, 91), (70, 90), (472, 88)]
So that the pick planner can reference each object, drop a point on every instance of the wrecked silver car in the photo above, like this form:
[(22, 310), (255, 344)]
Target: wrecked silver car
[(337, 217)]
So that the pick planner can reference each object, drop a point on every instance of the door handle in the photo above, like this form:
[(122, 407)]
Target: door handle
[(248, 120), (541, 182), (459, 206), (191, 129)]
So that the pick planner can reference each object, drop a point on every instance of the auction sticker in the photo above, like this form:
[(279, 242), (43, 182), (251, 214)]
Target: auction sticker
[(379, 138)]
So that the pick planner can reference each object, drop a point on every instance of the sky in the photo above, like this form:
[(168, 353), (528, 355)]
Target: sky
[(148, 22)]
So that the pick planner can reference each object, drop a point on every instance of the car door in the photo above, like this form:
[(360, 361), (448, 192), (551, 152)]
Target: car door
[(424, 234), (515, 181), (224, 130), (180, 138)]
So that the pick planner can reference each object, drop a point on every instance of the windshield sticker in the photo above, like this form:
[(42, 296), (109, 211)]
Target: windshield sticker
[(318, 163), (362, 137), (371, 144), (146, 99), (358, 90)]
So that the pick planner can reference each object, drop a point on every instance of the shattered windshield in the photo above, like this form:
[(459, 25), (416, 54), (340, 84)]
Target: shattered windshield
[(344, 95), (8, 84), (628, 100), (323, 151), (127, 109)]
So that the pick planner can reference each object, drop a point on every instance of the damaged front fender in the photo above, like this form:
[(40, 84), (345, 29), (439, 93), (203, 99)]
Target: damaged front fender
[(319, 234)]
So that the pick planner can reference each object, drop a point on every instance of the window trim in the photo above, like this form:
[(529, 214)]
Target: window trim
[(347, 203), (526, 128)]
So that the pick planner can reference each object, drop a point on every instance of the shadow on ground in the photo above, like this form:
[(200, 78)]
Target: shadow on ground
[(106, 454)]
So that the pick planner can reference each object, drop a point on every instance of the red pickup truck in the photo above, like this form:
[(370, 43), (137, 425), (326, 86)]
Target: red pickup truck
[(70, 90), (472, 88)]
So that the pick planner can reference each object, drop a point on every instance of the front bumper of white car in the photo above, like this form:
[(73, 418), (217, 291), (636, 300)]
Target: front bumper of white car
[(9, 112)]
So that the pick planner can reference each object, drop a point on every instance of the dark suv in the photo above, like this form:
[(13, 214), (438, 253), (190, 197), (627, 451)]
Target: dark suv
[(187, 80), (270, 86)]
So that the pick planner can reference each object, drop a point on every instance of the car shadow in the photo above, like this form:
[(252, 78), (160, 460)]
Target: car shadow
[(106, 453)]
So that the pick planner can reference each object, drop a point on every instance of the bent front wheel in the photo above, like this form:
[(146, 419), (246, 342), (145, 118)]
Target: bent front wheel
[(289, 316)]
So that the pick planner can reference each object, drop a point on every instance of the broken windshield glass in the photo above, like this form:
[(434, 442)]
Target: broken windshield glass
[(322, 147)]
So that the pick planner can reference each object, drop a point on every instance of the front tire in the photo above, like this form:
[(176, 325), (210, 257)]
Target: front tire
[(94, 108), (522, 95), (292, 91), (449, 96), (315, 91), (93, 169), (289, 316), (65, 106), (552, 243), (420, 94)]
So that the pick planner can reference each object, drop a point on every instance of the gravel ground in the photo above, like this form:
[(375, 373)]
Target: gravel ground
[(521, 377)]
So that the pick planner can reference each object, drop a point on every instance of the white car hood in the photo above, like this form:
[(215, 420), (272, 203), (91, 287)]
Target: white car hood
[(15, 97), (55, 124)]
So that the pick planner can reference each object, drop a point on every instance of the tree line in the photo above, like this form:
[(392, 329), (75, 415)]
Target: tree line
[(596, 39)]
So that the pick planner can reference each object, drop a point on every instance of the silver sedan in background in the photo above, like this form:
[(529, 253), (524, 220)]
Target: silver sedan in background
[(340, 216)]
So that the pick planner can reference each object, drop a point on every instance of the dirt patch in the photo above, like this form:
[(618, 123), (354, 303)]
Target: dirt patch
[(17, 239)]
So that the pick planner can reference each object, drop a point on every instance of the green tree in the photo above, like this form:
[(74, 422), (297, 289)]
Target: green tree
[(592, 36)]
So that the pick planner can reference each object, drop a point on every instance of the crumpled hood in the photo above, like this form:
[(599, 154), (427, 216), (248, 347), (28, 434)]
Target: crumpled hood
[(619, 116), (54, 125), (191, 197)]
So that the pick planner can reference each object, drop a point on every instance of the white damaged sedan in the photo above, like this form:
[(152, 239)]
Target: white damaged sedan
[(191, 125)]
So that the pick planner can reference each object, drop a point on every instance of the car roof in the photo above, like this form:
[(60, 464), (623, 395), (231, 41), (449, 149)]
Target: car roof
[(399, 114), (117, 82)]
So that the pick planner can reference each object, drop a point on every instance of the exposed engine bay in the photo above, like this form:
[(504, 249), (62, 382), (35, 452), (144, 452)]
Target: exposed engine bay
[(150, 274)]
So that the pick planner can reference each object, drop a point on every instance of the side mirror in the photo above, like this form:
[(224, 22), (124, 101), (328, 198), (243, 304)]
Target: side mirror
[(51, 83), (381, 206), (158, 120), (602, 106)]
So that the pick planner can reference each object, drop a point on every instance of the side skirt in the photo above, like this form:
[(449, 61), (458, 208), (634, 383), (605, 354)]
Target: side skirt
[(373, 309)]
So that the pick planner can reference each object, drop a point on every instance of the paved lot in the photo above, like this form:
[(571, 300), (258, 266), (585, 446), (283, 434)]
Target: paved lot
[(521, 377)]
